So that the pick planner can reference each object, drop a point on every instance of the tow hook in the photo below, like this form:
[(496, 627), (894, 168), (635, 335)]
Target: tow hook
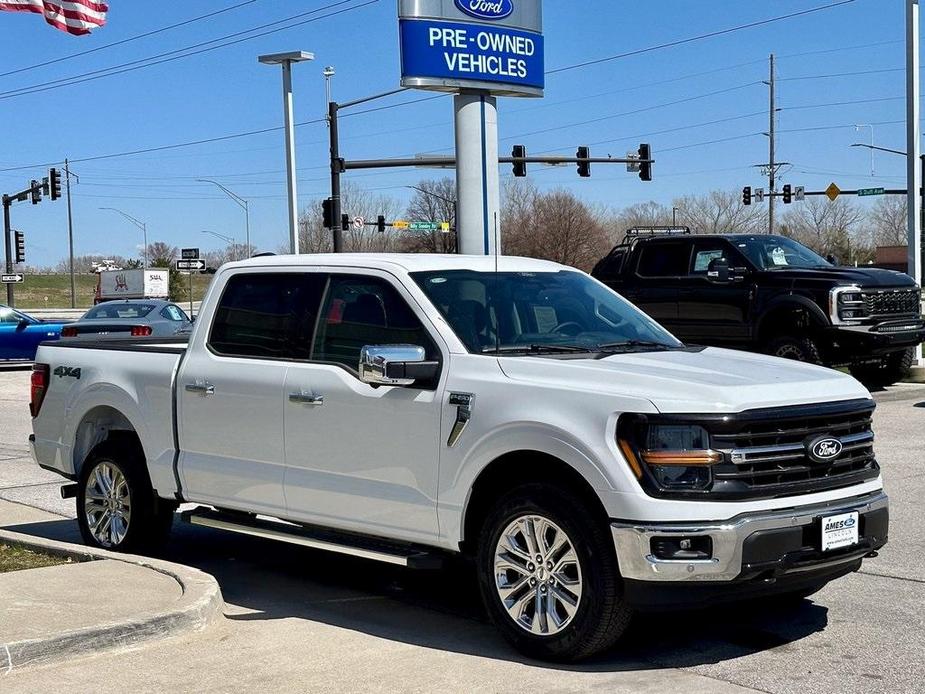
[(873, 553)]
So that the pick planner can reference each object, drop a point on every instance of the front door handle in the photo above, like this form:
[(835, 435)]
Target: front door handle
[(304, 398), (204, 388)]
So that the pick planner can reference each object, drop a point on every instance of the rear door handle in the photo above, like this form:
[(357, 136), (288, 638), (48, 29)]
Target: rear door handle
[(304, 398), (203, 388)]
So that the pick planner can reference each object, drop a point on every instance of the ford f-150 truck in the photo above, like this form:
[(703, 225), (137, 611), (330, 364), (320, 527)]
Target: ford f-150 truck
[(404, 408)]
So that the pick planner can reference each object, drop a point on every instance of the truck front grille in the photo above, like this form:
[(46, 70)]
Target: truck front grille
[(766, 452), (892, 302)]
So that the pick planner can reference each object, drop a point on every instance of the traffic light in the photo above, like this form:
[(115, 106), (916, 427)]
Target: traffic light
[(788, 194), (584, 167), (36, 192), (20, 247), (344, 222), (327, 211), (645, 167), (747, 195), (54, 183), (520, 167), (380, 224)]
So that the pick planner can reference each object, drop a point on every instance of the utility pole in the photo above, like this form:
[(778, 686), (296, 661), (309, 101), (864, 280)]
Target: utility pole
[(336, 170), (7, 201), (913, 147), (70, 232), (772, 165)]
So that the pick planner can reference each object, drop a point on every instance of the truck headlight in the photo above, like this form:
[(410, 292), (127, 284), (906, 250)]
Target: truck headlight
[(846, 305), (676, 456)]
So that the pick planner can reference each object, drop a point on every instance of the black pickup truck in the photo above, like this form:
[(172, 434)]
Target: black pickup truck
[(771, 294)]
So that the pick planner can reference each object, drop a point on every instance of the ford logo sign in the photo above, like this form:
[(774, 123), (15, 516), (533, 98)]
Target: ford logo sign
[(486, 9), (823, 449)]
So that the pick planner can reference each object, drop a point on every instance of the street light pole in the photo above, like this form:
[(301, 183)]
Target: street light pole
[(286, 60), (226, 239), (913, 148), (857, 128), (141, 225), (242, 203)]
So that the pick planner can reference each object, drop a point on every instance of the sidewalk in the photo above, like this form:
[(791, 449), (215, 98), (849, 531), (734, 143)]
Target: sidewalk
[(102, 600)]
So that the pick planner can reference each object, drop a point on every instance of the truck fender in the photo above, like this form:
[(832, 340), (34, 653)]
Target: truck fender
[(792, 301)]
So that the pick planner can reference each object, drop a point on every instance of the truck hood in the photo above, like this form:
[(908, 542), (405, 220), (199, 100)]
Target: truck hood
[(704, 381), (861, 276)]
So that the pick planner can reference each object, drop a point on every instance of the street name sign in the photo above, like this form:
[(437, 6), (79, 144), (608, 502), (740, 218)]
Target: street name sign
[(194, 264), (832, 192), (16, 278), (424, 226), (189, 253), (492, 45), (862, 192)]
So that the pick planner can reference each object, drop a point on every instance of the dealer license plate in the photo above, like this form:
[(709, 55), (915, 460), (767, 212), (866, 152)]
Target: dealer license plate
[(839, 531)]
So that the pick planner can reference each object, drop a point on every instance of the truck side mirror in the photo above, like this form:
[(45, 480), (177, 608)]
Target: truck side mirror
[(23, 324), (832, 259), (395, 365), (718, 271)]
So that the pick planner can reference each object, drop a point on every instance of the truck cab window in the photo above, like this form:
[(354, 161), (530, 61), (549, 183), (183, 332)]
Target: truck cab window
[(269, 315), (664, 259), (359, 311)]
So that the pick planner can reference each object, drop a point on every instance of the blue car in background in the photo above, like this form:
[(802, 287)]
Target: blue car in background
[(20, 334)]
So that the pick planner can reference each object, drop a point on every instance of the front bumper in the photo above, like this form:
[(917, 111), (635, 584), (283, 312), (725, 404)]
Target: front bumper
[(875, 340), (753, 546)]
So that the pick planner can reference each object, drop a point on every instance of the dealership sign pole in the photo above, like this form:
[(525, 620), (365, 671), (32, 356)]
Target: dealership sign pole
[(478, 50)]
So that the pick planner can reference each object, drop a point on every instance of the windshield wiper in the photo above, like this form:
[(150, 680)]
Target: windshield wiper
[(626, 345), (536, 349)]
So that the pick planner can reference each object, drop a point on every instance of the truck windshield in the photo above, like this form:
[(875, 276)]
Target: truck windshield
[(539, 313), (773, 252)]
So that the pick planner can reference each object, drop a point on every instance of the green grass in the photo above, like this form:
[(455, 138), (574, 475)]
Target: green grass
[(57, 289), (17, 558)]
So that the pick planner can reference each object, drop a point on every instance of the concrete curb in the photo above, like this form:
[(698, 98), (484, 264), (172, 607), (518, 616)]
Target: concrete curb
[(916, 375), (200, 603)]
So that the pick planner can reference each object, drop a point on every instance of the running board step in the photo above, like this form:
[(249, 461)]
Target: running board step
[(317, 538)]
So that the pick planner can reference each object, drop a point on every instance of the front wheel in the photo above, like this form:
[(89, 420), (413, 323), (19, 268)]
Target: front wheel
[(885, 371), (116, 507), (796, 347), (548, 575)]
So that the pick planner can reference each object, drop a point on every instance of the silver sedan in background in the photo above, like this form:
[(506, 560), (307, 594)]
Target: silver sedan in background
[(131, 318)]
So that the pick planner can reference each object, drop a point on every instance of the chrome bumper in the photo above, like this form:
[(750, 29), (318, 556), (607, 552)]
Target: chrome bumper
[(633, 541)]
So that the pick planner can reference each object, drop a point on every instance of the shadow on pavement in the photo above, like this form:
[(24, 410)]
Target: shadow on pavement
[(442, 609)]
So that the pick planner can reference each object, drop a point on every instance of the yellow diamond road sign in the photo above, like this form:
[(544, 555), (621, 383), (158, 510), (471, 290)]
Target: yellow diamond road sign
[(832, 192)]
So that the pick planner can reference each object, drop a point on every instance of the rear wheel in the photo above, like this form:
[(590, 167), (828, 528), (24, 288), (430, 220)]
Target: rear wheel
[(116, 506), (885, 371), (548, 575), (796, 347)]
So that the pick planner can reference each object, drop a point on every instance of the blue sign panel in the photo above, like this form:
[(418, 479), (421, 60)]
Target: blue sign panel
[(486, 9), (478, 55)]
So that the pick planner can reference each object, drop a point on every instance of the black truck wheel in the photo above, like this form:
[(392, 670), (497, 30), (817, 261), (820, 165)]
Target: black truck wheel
[(116, 507), (884, 371), (548, 575), (796, 347)]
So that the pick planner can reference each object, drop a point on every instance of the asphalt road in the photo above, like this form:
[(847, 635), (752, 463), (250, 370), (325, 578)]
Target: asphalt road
[(299, 620)]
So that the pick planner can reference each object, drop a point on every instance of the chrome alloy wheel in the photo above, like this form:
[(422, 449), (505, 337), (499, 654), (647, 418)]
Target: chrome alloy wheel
[(107, 504), (538, 575)]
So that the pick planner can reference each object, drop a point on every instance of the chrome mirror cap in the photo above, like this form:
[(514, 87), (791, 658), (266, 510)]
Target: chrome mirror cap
[(375, 361)]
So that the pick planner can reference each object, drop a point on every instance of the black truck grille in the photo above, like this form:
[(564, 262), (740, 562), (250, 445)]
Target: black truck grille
[(892, 302), (766, 451)]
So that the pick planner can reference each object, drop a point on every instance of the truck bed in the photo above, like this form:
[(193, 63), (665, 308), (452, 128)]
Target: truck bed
[(169, 345)]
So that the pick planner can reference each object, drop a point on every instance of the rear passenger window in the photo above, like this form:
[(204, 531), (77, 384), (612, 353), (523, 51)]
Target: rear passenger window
[(269, 315), (664, 260), (360, 311)]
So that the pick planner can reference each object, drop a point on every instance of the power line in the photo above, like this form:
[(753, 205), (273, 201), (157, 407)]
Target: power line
[(187, 51), (842, 103), (700, 37), (840, 74), (144, 35)]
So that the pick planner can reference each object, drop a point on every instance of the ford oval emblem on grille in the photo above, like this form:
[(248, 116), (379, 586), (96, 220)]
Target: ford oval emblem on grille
[(486, 9), (823, 449)]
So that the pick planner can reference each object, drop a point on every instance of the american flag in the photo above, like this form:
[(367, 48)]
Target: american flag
[(73, 16)]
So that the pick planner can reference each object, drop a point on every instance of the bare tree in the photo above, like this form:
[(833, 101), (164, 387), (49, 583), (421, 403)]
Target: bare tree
[(888, 221), (433, 201), (159, 252), (355, 202), (828, 228), (720, 212), (641, 214)]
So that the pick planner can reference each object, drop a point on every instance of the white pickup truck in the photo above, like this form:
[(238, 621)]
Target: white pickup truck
[(406, 407)]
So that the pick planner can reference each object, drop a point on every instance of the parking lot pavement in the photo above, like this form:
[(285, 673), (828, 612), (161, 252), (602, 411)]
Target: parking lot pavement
[(303, 620)]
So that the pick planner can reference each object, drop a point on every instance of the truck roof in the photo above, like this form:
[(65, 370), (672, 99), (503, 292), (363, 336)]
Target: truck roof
[(407, 262)]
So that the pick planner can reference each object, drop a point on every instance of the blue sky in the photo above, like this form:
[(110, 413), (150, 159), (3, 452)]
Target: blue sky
[(226, 91)]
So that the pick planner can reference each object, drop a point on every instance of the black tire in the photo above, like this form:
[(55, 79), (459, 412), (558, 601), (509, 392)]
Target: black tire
[(885, 371), (601, 615), (149, 519), (796, 347)]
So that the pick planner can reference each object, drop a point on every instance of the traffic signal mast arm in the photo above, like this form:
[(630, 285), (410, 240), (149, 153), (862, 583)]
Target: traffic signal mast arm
[(451, 161)]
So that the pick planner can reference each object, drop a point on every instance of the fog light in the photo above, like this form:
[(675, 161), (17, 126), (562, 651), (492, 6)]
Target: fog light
[(682, 548)]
